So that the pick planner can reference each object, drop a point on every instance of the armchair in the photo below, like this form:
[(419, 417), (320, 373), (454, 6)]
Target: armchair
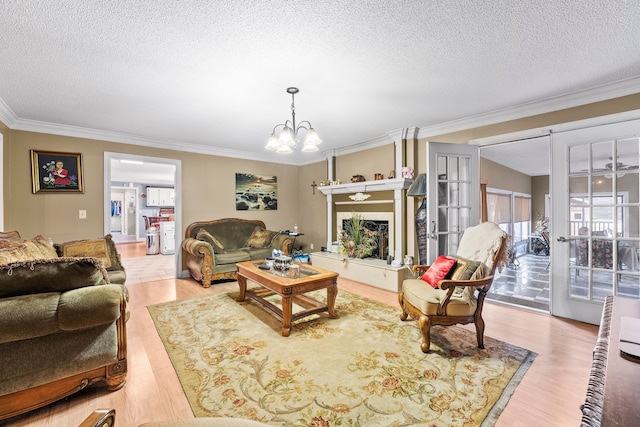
[(481, 249)]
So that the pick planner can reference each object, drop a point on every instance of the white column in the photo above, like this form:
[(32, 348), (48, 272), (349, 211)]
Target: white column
[(329, 220), (399, 214)]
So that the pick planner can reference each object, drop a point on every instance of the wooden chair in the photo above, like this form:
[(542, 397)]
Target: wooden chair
[(455, 302), (100, 418)]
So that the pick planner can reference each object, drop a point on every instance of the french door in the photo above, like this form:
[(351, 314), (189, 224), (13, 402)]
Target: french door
[(453, 184), (595, 217)]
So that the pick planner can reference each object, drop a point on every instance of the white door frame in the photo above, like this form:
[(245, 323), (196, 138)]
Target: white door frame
[(108, 156)]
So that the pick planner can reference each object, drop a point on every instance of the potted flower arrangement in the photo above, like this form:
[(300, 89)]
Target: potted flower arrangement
[(356, 241)]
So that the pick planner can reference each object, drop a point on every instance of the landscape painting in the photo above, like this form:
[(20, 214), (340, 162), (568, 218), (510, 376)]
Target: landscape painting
[(256, 192)]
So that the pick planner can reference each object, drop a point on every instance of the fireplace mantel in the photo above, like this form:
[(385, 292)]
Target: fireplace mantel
[(367, 186), (397, 185)]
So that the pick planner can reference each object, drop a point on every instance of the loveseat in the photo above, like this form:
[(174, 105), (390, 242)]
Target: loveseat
[(211, 249), (62, 325)]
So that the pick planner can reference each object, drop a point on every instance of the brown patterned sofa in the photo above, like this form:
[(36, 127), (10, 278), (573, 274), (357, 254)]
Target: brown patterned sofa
[(211, 249)]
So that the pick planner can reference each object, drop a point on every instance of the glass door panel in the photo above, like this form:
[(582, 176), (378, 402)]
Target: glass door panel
[(597, 217), (453, 183)]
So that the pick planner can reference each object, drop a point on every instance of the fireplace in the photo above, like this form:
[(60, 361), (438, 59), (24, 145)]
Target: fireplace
[(381, 222)]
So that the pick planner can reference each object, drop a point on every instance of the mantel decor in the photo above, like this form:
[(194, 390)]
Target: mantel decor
[(56, 172)]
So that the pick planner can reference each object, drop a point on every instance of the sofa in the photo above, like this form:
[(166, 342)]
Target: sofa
[(62, 325), (211, 249)]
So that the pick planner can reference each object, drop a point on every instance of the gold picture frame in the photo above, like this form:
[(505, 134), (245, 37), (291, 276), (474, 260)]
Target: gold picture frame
[(56, 172)]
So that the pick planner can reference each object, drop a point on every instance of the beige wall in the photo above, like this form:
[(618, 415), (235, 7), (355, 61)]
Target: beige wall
[(539, 189), (312, 209), (208, 184), (366, 163), (209, 181), (498, 176)]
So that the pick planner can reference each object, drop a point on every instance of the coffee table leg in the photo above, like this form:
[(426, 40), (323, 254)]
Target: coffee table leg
[(332, 293), (287, 313), (242, 282)]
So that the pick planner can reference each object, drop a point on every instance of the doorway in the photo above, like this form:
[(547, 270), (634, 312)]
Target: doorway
[(131, 175), (517, 175)]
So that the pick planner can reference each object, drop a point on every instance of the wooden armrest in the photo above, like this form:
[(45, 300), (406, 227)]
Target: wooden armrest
[(100, 418), (420, 269), (451, 285)]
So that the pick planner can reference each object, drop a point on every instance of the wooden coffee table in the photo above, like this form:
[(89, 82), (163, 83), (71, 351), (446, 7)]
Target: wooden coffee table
[(274, 282)]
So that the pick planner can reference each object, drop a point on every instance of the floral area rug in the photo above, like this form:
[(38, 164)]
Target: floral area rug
[(363, 369)]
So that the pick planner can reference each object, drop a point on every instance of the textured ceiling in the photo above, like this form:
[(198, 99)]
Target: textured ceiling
[(211, 75)]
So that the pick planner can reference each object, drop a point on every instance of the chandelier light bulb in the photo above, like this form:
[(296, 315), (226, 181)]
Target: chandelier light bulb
[(286, 137), (309, 148), (284, 149), (312, 138), (272, 143)]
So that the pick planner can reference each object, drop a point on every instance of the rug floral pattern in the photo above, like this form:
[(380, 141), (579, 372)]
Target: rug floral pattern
[(364, 369)]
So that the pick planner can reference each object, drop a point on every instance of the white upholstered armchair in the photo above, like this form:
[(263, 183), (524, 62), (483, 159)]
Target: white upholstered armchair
[(456, 296)]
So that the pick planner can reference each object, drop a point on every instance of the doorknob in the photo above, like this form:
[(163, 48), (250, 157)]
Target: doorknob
[(433, 235), (564, 239)]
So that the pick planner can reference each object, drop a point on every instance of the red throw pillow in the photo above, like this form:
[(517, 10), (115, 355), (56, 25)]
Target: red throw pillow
[(438, 270)]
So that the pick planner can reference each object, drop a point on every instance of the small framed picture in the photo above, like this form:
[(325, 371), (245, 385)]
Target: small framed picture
[(56, 172)]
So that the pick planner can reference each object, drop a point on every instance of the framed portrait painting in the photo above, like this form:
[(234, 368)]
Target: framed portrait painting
[(56, 172)]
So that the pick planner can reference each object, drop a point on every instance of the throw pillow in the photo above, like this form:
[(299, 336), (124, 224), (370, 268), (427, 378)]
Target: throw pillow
[(205, 236), (260, 238), (464, 268), (439, 270), (88, 248), (14, 250)]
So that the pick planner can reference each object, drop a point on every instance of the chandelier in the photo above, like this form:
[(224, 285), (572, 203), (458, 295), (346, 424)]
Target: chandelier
[(287, 140)]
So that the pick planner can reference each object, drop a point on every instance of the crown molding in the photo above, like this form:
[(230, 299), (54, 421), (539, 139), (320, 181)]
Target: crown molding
[(7, 116), (587, 96), (595, 94)]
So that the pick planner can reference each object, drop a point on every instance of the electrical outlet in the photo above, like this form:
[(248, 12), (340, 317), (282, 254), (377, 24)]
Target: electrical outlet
[(82, 214), (311, 246)]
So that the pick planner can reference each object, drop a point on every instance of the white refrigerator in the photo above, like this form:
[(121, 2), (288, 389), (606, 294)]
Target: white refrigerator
[(167, 237)]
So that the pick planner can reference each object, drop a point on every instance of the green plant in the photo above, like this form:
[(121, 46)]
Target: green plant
[(357, 241)]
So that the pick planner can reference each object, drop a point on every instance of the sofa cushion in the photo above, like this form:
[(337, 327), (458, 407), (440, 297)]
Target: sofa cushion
[(88, 307), (52, 275), (28, 316), (231, 257), (13, 250), (205, 236), (117, 276), (258, 253), (427, 299), (260, 238)]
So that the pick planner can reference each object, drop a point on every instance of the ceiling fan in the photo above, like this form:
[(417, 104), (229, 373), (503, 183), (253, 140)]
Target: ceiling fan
[(620, 166), (608, 167)]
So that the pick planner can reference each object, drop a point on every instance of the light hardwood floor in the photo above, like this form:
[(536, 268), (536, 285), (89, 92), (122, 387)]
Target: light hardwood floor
[(549, 394)]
